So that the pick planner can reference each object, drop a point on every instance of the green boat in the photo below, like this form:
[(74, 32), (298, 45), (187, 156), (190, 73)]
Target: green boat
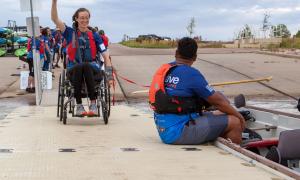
[(2, 52), (20, 52)]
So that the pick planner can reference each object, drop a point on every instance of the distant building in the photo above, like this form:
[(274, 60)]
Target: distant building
[(154, 37), (19, 28)]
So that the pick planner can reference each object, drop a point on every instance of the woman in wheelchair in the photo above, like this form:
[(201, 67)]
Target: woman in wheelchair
[(82, 48)]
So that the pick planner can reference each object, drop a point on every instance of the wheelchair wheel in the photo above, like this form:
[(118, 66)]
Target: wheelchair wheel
[(105, 99), (58, 96), (62, 94), (65, 116)]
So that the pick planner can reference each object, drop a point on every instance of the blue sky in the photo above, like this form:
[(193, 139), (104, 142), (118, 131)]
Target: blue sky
[(215, 19)]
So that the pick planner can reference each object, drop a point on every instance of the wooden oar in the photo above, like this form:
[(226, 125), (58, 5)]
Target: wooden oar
[(242, 81), (222, 84)]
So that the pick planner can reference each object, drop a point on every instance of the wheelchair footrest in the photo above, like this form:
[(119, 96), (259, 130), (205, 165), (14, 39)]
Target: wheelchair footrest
[(92, 115), (81, 116)]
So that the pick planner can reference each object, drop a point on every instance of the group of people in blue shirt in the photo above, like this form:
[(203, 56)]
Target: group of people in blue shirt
[(48, 44)]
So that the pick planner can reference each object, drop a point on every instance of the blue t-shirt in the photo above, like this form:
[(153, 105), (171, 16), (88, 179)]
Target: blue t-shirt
[(45, 39), (68, 34), (182, 81), (57, 39)]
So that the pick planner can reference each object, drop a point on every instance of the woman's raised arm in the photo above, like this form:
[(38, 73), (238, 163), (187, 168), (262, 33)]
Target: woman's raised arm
[(55, 18)]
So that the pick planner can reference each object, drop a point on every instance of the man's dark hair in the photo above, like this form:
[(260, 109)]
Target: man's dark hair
[(187, 48), (44, 31)]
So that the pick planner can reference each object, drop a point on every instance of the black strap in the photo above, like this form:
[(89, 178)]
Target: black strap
[(75, 43)]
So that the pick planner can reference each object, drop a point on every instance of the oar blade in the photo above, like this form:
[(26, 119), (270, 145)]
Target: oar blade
[(298, 105)]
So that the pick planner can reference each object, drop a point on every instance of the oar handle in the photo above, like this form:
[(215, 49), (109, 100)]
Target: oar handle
[(242, 81)]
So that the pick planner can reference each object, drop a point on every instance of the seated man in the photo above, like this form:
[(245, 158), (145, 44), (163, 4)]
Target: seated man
[(178, 94)]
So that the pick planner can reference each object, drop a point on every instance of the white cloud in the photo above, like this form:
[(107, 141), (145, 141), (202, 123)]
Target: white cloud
[(76, 2)]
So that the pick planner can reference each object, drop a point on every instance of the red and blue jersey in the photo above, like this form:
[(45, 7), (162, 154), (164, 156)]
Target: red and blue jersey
[(46, 41), (39, 47), (57, 39), (88, 45), (182, 81)]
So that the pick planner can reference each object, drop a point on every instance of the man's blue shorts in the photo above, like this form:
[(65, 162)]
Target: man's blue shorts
[(205, 128)]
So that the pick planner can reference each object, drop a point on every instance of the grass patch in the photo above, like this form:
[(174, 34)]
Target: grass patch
[(290, 43), (211, 45), (166, 44), (287, 43)]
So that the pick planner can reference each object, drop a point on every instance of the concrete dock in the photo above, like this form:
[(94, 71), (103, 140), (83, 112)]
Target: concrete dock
[(35, 145)]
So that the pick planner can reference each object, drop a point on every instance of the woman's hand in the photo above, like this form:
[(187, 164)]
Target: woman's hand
[(55, 18), (111, 83), (110, 76)]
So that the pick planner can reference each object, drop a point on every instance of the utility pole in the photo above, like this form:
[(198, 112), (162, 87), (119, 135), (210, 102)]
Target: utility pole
[(191, 27), (33, 30), (266, 24)]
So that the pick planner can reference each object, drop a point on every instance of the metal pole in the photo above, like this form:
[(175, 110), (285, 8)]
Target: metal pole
[(35, 59)]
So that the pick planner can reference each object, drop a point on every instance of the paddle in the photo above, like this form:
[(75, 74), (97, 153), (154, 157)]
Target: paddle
[(298, 106)]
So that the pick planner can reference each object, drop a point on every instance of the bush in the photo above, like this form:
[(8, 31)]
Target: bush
[(293, 43), (273, 47)]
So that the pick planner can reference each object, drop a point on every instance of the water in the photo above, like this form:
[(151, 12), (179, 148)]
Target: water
[(7, 105), (287, 106)]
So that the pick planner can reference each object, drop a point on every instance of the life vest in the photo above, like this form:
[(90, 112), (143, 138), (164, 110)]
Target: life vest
[(105, 40), (93, 49), (39, 46), (162, 103)]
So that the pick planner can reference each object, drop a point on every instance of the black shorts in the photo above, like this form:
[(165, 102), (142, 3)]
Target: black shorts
[(56, 50), (70, 73), (31, 69)]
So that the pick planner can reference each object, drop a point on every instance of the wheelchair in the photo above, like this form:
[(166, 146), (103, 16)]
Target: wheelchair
[(66, 99)]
